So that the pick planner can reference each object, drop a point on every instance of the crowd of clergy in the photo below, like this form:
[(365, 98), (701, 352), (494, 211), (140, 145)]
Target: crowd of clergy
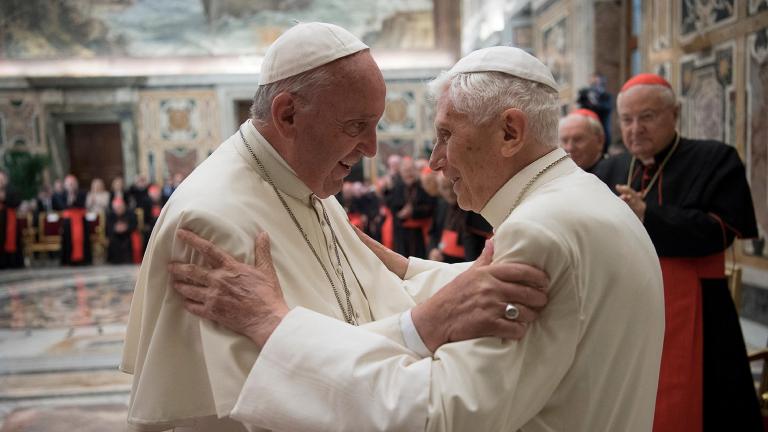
[(69, 224)]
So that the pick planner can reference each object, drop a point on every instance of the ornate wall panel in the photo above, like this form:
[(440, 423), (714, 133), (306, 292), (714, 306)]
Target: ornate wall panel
[(177, 130), (20, 121), (757, 132), (707, 94), (406, 128), (556, 50), (701, 16), (661, 21), (756, 6)]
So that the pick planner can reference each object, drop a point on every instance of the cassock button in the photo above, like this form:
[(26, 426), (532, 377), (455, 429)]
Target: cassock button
[(338, 270)]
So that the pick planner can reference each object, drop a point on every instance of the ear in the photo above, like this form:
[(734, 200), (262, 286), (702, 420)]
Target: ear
[(515, 129), (677, 112), (283, 112)]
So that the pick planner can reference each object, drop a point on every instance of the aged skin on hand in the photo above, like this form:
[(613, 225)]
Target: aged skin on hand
[(248, 299)]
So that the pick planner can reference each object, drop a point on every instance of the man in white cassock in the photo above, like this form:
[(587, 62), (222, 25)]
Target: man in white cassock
[(590, 362), (314, 116)]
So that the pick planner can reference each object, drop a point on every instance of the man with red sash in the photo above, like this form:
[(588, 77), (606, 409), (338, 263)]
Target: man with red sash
[(11, 255), (412, 208), (75, 244), (693, 198)]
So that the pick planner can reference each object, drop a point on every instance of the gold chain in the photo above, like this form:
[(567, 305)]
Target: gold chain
[(348, 311), (533, 180), (645, 191)]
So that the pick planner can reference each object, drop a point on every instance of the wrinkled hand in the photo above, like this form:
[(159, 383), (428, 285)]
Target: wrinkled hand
[(473, 304), (634, 199), (395, 262), (243, 298)]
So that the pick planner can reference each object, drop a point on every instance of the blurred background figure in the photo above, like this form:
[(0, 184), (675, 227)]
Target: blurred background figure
[(121, 231), (137, 192), (446, 241), (412, 208), (97, 200), (117, 189), (151, 206), (597, 99), (11, 250), (75, 242), (581, 135)]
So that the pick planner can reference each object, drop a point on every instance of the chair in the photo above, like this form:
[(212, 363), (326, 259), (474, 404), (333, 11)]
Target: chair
[(48, 238), (733, 274)]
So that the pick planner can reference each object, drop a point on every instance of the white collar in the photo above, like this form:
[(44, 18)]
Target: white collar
[(279, 171), (497, 209)]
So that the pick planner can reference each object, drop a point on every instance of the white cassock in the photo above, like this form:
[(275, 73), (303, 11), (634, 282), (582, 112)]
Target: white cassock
[(187, 371), (589, 363)]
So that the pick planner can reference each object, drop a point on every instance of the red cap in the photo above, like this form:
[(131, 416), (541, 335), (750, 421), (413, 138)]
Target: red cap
[(153, 189), (645, 79), (118, 201), (426, 170), (586, 113)]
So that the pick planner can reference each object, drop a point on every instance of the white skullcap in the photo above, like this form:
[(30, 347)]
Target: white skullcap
[(509, 60), (306, 46)]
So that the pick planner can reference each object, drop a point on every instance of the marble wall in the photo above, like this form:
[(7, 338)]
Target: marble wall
[(714, 54)]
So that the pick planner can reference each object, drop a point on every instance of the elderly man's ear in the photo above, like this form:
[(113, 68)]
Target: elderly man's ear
[(515, 125), (283, 112)]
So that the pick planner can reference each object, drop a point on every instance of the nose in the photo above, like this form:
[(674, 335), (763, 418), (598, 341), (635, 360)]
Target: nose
[(368, 144), (437, 159)]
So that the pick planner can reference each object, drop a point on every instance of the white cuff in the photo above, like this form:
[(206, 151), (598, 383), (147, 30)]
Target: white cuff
[(411, 336)]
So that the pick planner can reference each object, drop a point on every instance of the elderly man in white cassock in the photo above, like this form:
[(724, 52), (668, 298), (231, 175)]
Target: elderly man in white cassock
[(590, 362), (314, 116)]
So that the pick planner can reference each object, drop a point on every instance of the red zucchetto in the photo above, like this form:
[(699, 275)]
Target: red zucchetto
[(645, 79), (586, 113)]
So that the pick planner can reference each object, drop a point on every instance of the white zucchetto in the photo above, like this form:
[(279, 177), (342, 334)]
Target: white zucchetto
[(509, 60), (304, 47)]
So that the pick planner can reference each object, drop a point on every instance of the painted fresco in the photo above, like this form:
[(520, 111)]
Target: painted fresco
[(556, 51), (42, 29), (706, 95), (699, 16), (757, 133), (180, 127)]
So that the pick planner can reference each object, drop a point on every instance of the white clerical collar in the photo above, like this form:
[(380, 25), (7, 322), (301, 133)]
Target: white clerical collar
[(497, 209), (281, 173)]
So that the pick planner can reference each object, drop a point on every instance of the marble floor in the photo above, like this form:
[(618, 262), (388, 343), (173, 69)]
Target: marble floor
[(61, 336)]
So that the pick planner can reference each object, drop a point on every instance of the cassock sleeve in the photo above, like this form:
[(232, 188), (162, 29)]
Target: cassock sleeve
[(317, 373), (724, 211)]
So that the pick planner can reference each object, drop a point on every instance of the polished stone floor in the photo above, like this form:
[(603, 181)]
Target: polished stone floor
[(61, 336)]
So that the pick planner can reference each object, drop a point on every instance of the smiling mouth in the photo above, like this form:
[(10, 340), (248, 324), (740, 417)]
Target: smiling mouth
[(345, 165)]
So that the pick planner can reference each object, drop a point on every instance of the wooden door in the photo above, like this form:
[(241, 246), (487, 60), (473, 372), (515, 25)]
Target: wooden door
[(95, 150)]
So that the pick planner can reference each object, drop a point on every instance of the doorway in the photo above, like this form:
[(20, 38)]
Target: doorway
[(95, 150)]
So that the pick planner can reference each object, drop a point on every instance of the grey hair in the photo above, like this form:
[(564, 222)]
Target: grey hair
[(306, 84), (483, 95)]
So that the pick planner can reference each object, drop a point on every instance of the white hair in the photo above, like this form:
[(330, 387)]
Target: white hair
[(594, 125), (307, 84), (666, 94), (483, 95)]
